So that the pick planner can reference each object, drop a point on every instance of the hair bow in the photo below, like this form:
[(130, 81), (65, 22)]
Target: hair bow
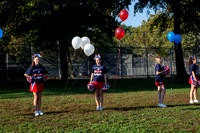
[(97, 56), (192, 57), (37, 55), (157, 56)]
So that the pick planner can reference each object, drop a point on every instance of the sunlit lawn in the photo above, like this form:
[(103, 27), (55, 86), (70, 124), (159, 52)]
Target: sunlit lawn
[(71, 108)]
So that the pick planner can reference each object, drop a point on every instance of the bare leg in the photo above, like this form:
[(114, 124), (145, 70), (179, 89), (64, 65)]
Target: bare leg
[(195, 93), (101, 97), (97, 97), (162, 93), (191, 91), (35, 101), (159, 95), (39, 100)]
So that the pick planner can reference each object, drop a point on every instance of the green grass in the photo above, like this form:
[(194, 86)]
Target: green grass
[(71, 108)]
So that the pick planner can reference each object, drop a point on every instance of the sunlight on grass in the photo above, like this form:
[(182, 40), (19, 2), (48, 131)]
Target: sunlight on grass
[(132, 108)]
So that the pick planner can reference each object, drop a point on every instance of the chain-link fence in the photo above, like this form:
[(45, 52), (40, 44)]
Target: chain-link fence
[(132, 61)]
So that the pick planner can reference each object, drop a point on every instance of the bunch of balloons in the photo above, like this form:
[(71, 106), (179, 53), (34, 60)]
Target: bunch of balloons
[(119, 32), (84, 43), (1, 33), (174, 38)]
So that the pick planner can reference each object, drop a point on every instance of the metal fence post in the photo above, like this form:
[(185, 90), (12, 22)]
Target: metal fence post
[(59, 67), (121, 63)]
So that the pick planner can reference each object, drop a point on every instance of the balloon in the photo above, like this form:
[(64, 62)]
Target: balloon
[(177, 39), (85, 40), (89, 49), (76, 42), (170, 36), (123, 15), (119, 33), (1, 33)]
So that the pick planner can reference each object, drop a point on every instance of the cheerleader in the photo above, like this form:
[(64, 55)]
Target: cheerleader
[(159, 81), (36, 72), (193, 80), (98, 78)]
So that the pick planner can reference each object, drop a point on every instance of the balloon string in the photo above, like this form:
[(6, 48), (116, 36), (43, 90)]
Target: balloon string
[(117, 67)]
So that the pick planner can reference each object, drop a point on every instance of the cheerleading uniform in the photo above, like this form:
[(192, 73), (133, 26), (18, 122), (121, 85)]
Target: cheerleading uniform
[(37, 79), (159, 77), (98, 78), (195, 68)]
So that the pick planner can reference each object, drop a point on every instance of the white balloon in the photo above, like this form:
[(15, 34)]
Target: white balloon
[(85, 40), (89, 49), (76, 42)]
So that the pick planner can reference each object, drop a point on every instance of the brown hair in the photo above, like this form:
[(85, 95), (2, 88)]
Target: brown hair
[(190, 61), (33, 63)]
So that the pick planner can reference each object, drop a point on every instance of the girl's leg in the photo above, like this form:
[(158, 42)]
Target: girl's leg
[(191, 91), (159, 94), (39, 100), (195, 94), (101, 97), (35, 101), (162, 93), (97, 97)]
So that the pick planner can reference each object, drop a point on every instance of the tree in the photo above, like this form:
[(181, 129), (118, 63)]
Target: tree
[(51, 21), (180, 10)]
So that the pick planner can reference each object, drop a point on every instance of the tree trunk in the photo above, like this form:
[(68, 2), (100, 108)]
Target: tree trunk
[(180, 67), (72, 75), (63, 61)]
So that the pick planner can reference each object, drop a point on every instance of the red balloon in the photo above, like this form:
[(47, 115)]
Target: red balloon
[(119, 33), (123, 15)]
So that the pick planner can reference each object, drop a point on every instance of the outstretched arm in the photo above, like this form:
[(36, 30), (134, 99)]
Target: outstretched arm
[(91, 77), (28, 76), (105, 77)]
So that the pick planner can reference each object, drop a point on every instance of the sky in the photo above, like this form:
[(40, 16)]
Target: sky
[(136, 20)]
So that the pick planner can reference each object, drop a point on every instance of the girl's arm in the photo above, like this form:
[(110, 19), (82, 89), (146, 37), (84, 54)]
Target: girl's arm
[(105, 77), (28, 76), (91, 77), (157, 72), (193, 74)]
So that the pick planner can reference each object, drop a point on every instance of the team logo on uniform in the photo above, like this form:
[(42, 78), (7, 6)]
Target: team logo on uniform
[(98, 72)]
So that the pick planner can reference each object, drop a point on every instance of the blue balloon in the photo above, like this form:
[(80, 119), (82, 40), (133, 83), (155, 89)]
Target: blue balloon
[(170, 36), (1, 33), (177, 39)]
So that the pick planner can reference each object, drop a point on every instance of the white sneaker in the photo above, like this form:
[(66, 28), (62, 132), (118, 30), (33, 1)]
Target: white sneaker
[(196, 101), (40, 112), (98, 108), (164, 106), (191, 101), (36, 113)]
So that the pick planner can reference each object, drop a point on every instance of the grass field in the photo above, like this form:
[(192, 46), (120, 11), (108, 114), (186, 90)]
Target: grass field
[(131, 108)]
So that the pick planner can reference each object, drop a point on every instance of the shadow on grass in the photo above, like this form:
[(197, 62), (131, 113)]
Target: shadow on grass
[(130, 108), (45, 113), (178, 105), (143, 107), (192, 109)]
